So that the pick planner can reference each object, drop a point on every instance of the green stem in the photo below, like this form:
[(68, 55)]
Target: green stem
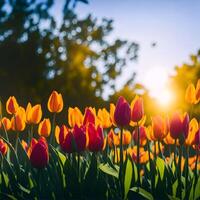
[(52, 137), (16, 142), (138, 156), (155, 149), (179, 173), (78, 167), (160, 152), (121, 162), (196, 164), (175, 152), (186, 173)]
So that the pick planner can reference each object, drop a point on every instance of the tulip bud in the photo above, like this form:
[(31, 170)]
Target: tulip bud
[(75, 117), (179, 126), (103, 117), (137, 109), (55, 102), (190, 95), (57, 132), (12, 105), (3, 147), (5, 123), (18, 121), (80, 138), (122, 114), (44, 128), (33, 114), (159, 127), (96, 139), (39, 155), (89, 116)]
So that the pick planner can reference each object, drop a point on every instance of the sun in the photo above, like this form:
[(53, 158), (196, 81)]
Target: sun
[(165, 97), (156, 80)]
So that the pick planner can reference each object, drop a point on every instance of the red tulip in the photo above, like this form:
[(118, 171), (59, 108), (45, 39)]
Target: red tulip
[(137, 109), (96, 139), (179, 126), (122, 114), (89, 116), (3, 147), (39, 155), (197, 138), (80, 138)]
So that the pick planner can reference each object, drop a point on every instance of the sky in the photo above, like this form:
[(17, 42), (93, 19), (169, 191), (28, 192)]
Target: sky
[(172, 24)]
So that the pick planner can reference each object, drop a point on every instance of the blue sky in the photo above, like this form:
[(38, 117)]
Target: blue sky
[(172, 24)]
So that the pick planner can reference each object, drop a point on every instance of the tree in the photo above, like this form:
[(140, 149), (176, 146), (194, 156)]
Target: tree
[(77, 58)]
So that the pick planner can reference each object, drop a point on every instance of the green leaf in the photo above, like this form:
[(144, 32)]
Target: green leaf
[(197, 190), (142, 192), (106, 168), (128, 177), (161, 167), (174, 187)]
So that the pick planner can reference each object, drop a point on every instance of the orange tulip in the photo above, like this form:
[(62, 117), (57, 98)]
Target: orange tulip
[(5, 123), (57, 132), (3, 147), (168, 139), (143, 135), (24, 145), (18, 121), (193, 128), (12, 105), (39, 155), (112, 111), (122, 114), (75, 117), (159, 127), (198, 91), (137, 109), (103, 117), (44, 127), (96, 139), (126, 137), (113, 139), (190, 95), (55, 102), (33, 114)]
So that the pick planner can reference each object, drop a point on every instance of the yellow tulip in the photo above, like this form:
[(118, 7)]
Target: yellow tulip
[(33, 114), (44, 127), (57, 132), (12, 105), (75, 117), (103, 118), (55, 102), (198, 91)]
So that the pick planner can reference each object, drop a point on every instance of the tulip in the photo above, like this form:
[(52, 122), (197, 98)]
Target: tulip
[(89, 116), (168, 139), (80, 138), (12, 105), (112, 112), (55, 102), (3, 147), (57, 132), (75, 117), (18, 121), (190, 95), (137, 109), (159, 127), (198, 91), (68, 144), (39, 155), (24, 145), (122, 114), (5, 123), (196, 140), (193, 128), (126, 137), (96, 139), (113, 139), (33, 114), (179, 126), (143, 135), (103, 117), (44, 127)]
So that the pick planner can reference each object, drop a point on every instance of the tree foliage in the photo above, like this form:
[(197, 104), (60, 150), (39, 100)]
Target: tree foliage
[(77, 58)]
